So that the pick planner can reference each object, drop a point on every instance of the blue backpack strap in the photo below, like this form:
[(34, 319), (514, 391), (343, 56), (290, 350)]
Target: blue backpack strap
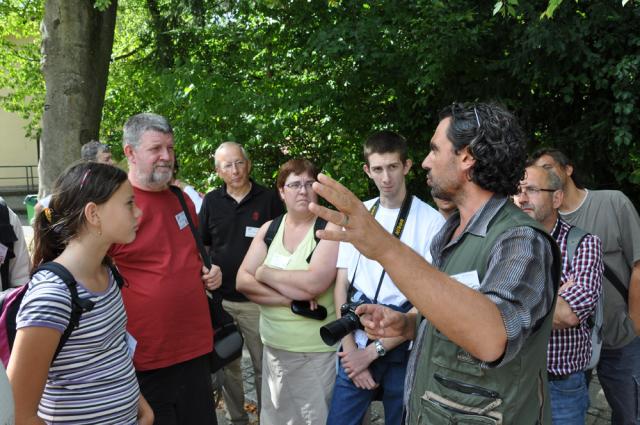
[(78, 305)]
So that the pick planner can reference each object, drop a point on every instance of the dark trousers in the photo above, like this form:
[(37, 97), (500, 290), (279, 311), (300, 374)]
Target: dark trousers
[(180, 394), (619, 376)]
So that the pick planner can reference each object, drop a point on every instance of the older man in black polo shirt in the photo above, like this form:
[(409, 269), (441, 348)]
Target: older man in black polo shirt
[(229, 219)]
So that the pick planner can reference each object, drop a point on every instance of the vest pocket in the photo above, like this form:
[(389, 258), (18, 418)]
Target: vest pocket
[(435, 409), (444, 350)]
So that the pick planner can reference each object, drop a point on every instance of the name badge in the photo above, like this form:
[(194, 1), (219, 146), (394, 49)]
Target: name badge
[(250, 232), (181, 218), (469, 279), (279, 261), (3, 253), (131, 344)]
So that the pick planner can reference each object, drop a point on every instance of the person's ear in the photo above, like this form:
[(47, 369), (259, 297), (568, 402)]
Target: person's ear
[(366, 170), (558, 197), (91, 214), (467, 161), (407, 166), (129, 152), (568, 170)]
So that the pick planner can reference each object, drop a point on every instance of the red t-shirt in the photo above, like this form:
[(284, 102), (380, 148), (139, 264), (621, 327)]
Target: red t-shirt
[(164, 295)]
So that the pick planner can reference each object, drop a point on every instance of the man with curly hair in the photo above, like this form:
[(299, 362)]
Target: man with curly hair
[(486, 302)]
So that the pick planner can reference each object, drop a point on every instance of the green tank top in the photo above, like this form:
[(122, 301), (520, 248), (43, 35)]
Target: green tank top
[(279, 327)]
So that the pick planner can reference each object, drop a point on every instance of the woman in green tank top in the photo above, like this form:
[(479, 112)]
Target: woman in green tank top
[(285, 263)]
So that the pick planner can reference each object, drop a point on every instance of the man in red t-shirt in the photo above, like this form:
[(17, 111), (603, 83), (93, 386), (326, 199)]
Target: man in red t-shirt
[(164, 295)]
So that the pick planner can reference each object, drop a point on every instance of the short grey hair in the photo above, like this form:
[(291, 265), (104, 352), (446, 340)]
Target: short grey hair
[(90, 151), (135, 127), (225, 145), (553, 180)]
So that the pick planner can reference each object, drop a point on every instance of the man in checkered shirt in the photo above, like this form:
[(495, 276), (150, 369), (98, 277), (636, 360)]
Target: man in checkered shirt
[(569, 349)]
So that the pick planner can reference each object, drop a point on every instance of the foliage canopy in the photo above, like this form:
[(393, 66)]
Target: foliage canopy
[(297, 78)]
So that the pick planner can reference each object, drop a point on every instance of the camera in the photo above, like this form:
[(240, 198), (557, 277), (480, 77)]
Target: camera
[(333, 332)]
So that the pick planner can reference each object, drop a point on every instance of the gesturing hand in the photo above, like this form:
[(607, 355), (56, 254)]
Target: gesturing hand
[(380, 321)]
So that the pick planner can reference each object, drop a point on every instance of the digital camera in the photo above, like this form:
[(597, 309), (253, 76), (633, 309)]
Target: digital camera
[(333, 332)]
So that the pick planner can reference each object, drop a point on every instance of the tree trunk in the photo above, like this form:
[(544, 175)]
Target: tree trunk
[(77, 40)]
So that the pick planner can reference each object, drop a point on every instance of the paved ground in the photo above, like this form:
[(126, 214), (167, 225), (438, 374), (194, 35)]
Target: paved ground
[(599, 412)]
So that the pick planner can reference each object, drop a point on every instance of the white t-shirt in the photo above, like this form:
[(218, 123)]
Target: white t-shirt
[(422, 224), (195, 197), (20, 265)]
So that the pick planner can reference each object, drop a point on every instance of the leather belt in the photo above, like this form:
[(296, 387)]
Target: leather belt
[(554, 377)]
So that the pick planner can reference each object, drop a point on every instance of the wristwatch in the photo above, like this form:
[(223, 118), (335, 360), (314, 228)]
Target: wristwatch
[(380, 348)]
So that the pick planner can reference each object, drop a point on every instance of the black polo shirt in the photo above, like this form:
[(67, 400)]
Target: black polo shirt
[(228, 227)]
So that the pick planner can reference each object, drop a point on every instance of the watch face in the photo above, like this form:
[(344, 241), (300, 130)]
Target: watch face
[(380, 349)]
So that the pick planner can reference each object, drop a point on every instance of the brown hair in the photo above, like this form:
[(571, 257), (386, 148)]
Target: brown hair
[(296, 166), (78, 185)]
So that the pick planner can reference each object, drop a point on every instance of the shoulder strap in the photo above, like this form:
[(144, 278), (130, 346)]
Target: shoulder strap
[(574, 238), (78, 305), (320, 224), (203, 253), (401, 220), (116, 275), (616, 282), (272, 230)]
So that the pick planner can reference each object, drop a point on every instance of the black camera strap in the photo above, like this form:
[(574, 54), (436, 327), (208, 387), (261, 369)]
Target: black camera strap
[(196, 236), (397, 232)]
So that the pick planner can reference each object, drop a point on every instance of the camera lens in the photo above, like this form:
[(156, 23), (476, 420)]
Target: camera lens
[(333, 332)]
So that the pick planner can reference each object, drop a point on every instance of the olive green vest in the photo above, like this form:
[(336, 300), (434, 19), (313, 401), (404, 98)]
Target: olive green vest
[(449, 385)]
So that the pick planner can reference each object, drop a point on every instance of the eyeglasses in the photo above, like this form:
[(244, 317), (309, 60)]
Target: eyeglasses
[(530, 190), (228, 166), (298, 185)]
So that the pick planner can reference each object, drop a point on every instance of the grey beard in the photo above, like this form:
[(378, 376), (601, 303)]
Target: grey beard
[(157, 179)]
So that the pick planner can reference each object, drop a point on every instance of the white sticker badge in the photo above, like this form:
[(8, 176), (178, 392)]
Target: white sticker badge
[(181, 218), (279, 261), (469, 279), (250, 232)]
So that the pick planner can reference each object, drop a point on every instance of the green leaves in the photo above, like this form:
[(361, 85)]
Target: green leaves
[(551, 8), (299, 78), (102, 5)]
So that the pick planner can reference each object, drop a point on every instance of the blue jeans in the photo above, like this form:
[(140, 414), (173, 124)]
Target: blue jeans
[(569, 400), (619, 375), (350, 403)]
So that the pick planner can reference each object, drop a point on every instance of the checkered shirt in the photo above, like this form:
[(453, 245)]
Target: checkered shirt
[(569, 349)]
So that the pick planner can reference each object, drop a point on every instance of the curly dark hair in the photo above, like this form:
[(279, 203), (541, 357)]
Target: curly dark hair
[(495, 140)]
